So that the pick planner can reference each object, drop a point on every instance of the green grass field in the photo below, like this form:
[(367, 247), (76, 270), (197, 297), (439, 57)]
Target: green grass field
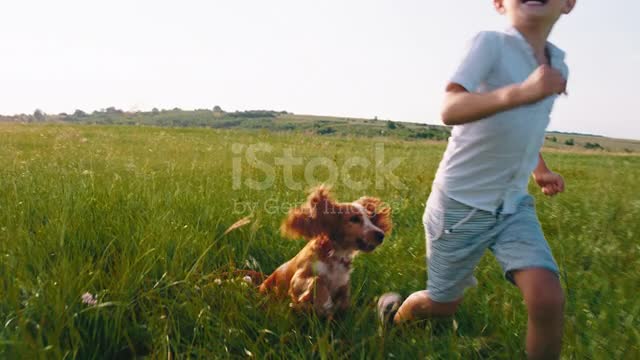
[(136, 216)]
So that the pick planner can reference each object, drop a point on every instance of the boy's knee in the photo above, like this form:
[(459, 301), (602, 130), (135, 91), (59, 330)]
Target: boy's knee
[(547, 305), (542, 293)]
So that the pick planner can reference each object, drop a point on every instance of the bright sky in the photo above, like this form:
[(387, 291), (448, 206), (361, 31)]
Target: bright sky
[(357, 58)]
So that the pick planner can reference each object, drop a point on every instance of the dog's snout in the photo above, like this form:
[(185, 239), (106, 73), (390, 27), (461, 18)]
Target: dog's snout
[(379, 236)]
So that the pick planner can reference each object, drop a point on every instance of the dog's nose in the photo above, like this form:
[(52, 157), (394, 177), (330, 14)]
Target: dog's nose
[(379, 236)]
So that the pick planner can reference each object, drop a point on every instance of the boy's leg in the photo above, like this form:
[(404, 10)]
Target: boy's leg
[(457, 236), (527, 261), (544, 298), (419, 306)]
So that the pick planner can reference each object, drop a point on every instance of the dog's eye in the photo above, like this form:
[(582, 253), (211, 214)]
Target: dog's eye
[(355, 219)]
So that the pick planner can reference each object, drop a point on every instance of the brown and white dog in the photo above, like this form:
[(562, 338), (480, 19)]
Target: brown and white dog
[(318, 276)]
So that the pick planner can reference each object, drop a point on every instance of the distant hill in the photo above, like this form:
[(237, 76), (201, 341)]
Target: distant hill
[(253, 120), (282, 121)]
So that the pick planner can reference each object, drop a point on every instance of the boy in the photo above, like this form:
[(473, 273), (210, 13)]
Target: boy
[(498, 102)]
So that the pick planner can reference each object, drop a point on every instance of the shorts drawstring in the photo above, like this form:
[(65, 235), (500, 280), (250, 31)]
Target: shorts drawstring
[(461, 222)]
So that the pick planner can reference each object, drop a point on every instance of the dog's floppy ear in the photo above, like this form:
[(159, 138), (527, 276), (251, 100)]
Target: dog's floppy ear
[(379, 213), (308, 220)]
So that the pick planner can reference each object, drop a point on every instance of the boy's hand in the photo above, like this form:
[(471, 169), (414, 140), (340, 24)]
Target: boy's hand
[(550, 182), (543, 82)]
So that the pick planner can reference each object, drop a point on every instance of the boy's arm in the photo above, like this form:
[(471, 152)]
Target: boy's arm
[(550, 182), (461, 106)]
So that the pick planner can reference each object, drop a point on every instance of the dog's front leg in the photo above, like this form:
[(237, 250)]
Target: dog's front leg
[(311, 290), (342, 298), (322, 301)]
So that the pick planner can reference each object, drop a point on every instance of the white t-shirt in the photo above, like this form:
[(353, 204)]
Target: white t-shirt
[(488, 162)]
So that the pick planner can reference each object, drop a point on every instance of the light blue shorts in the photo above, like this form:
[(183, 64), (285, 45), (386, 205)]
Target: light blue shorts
[(458, 235)]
